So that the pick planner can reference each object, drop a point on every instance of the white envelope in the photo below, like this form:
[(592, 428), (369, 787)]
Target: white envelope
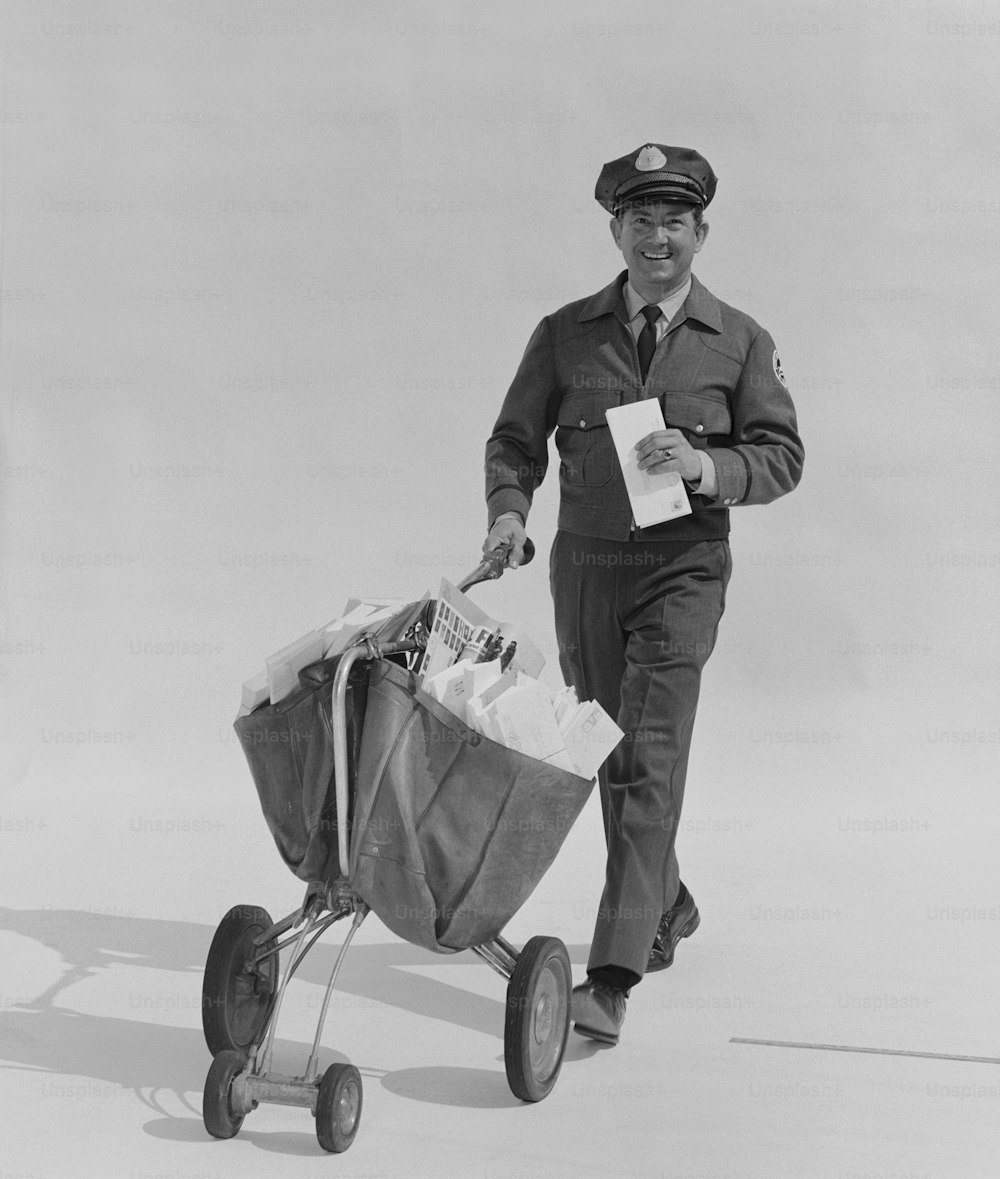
[(654, 497), (455, 686), (590, 736)]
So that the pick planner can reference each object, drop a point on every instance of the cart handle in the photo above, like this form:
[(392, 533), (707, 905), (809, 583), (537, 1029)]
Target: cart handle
[(494, 563)]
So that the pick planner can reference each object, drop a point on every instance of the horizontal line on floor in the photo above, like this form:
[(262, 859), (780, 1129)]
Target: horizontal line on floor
[(876, 1051)]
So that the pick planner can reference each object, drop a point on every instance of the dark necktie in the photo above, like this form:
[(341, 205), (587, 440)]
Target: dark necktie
[(647, 338)]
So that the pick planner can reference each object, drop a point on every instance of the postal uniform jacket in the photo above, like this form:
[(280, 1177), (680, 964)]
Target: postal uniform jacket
[(717, 377)]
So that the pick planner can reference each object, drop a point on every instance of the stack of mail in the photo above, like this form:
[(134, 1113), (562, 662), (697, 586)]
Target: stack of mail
[(521, 713)]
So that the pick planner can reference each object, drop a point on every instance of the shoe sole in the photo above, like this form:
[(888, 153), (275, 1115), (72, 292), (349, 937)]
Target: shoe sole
[(594, 1034), (686, 930)]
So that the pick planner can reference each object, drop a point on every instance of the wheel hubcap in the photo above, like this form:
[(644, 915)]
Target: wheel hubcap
[(347, 1108), (548, 1019), (251, 984), (543, 1019)]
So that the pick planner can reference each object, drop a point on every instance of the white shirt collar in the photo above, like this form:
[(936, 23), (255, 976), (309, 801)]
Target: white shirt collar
[(634, 302)]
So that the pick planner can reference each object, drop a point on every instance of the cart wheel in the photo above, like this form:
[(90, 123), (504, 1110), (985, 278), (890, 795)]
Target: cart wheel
[(235, 1000), (216, 1107), (338, 1107), (537, 1024)]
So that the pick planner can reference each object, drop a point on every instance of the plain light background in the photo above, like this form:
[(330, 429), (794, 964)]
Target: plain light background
[(267, 271)]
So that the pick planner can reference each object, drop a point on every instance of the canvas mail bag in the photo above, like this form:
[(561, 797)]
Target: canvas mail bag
[(451, 831)]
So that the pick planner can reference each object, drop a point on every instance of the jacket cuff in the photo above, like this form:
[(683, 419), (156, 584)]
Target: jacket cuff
[(732, 476), (507, 499), (706, 484)]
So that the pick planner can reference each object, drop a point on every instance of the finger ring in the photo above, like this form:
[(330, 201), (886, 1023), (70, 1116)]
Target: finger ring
[(665, 453)]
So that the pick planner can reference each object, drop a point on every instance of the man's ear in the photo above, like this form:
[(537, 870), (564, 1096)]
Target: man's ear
[(616, 231), (701, 233)]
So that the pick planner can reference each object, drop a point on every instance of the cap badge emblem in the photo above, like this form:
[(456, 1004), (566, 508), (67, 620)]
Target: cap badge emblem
[(650, 159)]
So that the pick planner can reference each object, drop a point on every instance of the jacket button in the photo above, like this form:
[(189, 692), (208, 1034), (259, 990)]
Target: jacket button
[(583, 421), (698, 429)]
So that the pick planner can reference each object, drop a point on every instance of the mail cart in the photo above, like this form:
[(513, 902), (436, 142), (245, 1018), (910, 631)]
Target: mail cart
[(383, 801)]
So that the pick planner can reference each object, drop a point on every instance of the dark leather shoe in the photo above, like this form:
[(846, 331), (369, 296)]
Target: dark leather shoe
[(598, 1010), (680, 921)]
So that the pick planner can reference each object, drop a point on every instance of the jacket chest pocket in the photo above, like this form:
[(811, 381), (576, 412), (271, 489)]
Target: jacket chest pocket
[(701, 416), (583, 438)]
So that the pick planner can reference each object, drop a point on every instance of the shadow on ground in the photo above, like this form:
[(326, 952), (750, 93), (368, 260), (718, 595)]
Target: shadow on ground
[(153, 1059)]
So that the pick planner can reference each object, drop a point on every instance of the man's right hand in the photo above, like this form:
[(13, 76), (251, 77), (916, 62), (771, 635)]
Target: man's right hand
[(508, 530)]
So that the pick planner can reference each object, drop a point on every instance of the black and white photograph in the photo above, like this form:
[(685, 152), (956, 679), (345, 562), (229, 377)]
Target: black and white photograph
[(499, 563)]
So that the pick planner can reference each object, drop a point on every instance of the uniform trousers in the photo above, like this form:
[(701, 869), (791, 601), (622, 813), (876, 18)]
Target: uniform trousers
[(635, 622)]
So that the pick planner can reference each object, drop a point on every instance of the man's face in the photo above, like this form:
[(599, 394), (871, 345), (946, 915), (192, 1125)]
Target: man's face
[(658, 241)]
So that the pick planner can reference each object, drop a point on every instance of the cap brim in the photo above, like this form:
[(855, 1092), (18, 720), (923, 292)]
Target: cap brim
[(657, 191)]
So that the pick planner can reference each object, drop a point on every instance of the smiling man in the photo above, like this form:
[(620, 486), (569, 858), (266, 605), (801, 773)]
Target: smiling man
[(637, 609)]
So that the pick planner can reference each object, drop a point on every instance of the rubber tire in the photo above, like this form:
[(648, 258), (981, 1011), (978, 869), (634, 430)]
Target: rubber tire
[(235, 1005), (338, 1107), (537, 1021), (216, 1111)]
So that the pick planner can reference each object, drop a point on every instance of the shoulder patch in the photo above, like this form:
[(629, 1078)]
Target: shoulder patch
[(777, 369)]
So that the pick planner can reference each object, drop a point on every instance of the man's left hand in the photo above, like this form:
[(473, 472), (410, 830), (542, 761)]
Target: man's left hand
[(669, 450)]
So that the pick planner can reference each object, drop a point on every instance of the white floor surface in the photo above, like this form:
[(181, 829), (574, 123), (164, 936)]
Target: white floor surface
[(829, 919)]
